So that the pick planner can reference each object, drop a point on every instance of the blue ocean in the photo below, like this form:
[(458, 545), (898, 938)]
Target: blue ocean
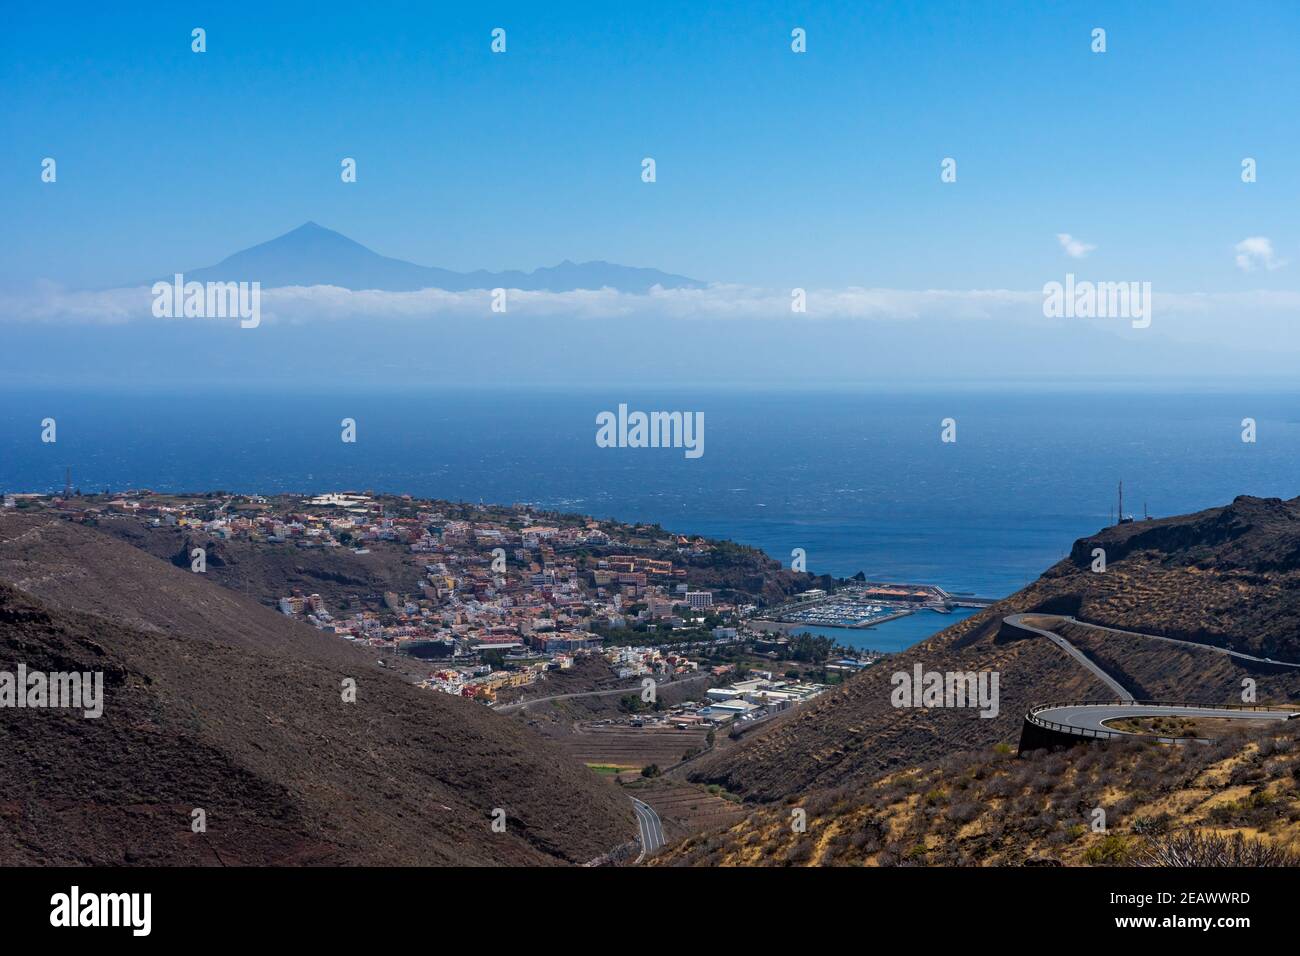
[(860, 480)]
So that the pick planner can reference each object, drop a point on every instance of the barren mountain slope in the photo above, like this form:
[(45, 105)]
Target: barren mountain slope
[(217, 703), (1228, 576), (988, 808)]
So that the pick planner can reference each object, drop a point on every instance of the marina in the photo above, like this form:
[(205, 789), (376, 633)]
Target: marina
[(869, 603), (847, 613)]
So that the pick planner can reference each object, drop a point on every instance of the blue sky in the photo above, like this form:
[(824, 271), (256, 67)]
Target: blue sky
[(774, 169)]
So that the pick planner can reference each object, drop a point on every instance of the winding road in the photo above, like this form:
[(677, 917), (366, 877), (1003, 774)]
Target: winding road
[(630, 689), (1121, 693), (1169, 640), (1089, 719), (648, 823), (520, 705), (652, 828)]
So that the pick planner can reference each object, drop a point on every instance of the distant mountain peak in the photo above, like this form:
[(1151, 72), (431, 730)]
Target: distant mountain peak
[(312, 254), (307, 228)]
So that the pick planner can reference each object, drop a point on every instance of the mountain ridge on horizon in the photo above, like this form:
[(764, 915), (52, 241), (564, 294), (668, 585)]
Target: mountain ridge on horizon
[(313, 254)]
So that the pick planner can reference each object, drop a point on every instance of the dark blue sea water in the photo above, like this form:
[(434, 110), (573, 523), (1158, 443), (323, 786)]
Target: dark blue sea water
[(858, 479)]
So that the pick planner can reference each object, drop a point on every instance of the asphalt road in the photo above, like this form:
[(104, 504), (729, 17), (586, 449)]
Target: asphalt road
[(1172, 640), (519, 705), (630, 689), (1094, 716), (1121, 693), (652, 829)]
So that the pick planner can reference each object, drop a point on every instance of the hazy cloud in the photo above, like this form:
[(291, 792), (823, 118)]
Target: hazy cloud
[(1255, 252), (1203, 317), (324, 334), (301, 304), (1074, 248)]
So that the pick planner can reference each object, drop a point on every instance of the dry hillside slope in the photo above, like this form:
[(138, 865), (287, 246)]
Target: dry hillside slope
[(1228, 576), (1233, 802), (216, 703)]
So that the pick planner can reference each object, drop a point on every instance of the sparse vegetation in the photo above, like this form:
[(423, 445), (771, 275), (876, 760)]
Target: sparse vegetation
[(1211, 849), (1111, 850), (992, 808)]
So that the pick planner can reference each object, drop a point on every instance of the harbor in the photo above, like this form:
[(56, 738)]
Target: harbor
[(850, 613), (869, 603)]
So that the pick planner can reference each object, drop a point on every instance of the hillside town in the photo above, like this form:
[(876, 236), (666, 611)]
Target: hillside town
[(503, 597)]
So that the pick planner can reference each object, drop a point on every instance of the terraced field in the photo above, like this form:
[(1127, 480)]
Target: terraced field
[(685, 809), (633, 747)]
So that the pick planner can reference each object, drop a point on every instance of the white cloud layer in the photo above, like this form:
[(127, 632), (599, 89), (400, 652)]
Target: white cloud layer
[(720, 333), (1227, 318), (296, 304)]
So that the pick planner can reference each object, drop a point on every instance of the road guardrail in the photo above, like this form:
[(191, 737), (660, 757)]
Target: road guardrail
[(1032, 716)]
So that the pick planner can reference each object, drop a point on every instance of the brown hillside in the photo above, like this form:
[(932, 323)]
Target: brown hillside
[(854, 734), (269, 572), (988, 808), (1228, 575), (1158, 670), (215, 702)]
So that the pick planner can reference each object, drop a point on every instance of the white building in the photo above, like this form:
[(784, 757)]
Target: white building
[(699, 600), (728, 708)]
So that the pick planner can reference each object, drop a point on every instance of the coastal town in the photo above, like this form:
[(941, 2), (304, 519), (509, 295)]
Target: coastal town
[(487, 602)]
